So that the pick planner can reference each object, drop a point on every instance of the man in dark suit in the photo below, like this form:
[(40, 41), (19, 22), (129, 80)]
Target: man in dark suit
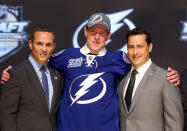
[(183, 88), (29, 100), (147, 101)]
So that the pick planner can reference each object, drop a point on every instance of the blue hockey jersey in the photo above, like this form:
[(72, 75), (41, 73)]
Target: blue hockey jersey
[(89, 101)]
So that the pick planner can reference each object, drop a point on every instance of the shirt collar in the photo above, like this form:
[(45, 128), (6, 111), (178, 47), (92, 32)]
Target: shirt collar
[(35, 64), (143, 68), (85, 50)]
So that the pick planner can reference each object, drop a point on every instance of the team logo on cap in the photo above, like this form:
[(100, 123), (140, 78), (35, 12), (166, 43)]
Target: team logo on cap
[(12, 35), (96, 19), (119, 23)]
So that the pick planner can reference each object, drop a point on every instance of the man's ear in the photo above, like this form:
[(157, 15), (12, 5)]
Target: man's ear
[(109, 35), (30, 44), (85, 31), (150, 47)]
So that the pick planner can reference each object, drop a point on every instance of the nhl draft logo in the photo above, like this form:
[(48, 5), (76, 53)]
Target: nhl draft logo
[(92, 88), (12, 35), (119, 24)]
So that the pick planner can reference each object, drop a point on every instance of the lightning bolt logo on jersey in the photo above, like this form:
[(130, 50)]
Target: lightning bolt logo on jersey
[(89, 102), (86, 84)]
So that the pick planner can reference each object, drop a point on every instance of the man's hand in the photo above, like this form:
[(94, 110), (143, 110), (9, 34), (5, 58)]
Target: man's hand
[(5, 75), (173, 76)]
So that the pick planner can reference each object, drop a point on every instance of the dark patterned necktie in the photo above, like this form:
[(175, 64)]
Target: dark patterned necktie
[(45, 84), (128, 96)]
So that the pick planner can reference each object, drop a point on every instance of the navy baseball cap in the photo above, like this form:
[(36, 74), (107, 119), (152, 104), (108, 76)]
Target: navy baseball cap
[(101, 19)]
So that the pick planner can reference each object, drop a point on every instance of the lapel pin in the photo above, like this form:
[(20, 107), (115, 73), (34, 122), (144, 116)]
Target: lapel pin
[(150, 74), (55, 78)]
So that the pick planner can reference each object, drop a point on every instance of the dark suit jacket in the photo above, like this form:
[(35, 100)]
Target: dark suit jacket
[(183, 88), (23, 106), (156, 105)]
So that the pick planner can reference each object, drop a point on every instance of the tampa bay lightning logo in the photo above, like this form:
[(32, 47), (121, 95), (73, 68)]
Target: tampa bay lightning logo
[(12, 35), (97, 18), (87, 89), (118, 20)]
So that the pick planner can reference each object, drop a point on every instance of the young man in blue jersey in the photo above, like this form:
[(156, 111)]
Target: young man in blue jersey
[(89, 102)]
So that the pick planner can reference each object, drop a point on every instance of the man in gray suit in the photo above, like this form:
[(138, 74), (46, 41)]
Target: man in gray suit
[(29, 100), (147, 101)]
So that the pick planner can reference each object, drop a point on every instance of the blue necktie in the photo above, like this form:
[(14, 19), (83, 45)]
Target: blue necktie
[(45, 84), (128, 96)]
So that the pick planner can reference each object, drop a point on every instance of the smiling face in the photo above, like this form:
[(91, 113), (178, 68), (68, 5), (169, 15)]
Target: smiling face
[(96, 37), (42, 46), (138, 50)]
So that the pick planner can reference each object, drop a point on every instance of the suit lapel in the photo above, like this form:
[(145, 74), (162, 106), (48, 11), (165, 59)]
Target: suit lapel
[(146, 78), (54, 79), (123, 90), (35, 83)]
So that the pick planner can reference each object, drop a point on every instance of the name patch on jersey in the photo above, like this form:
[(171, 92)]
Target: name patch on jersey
[(75, 62)]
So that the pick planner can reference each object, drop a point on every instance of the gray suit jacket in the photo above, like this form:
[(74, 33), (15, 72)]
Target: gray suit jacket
[(23, 106), (156, 105)]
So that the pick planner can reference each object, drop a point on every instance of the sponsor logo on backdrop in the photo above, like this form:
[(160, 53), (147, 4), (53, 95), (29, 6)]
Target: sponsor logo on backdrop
[(118, 21), (184, 31), (12, 34), (183, 36)]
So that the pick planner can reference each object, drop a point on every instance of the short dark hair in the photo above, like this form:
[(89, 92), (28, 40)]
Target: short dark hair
[(139, 31), (42, 29)]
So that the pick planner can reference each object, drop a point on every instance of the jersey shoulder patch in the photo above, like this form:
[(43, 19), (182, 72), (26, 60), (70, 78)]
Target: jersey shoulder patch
[(58, 53), (126, 58)]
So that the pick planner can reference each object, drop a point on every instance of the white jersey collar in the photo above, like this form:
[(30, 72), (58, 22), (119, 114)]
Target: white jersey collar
[(85, 50)]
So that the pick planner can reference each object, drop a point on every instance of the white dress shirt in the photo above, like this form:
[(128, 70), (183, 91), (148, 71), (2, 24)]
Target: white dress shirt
[(141, 71)]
